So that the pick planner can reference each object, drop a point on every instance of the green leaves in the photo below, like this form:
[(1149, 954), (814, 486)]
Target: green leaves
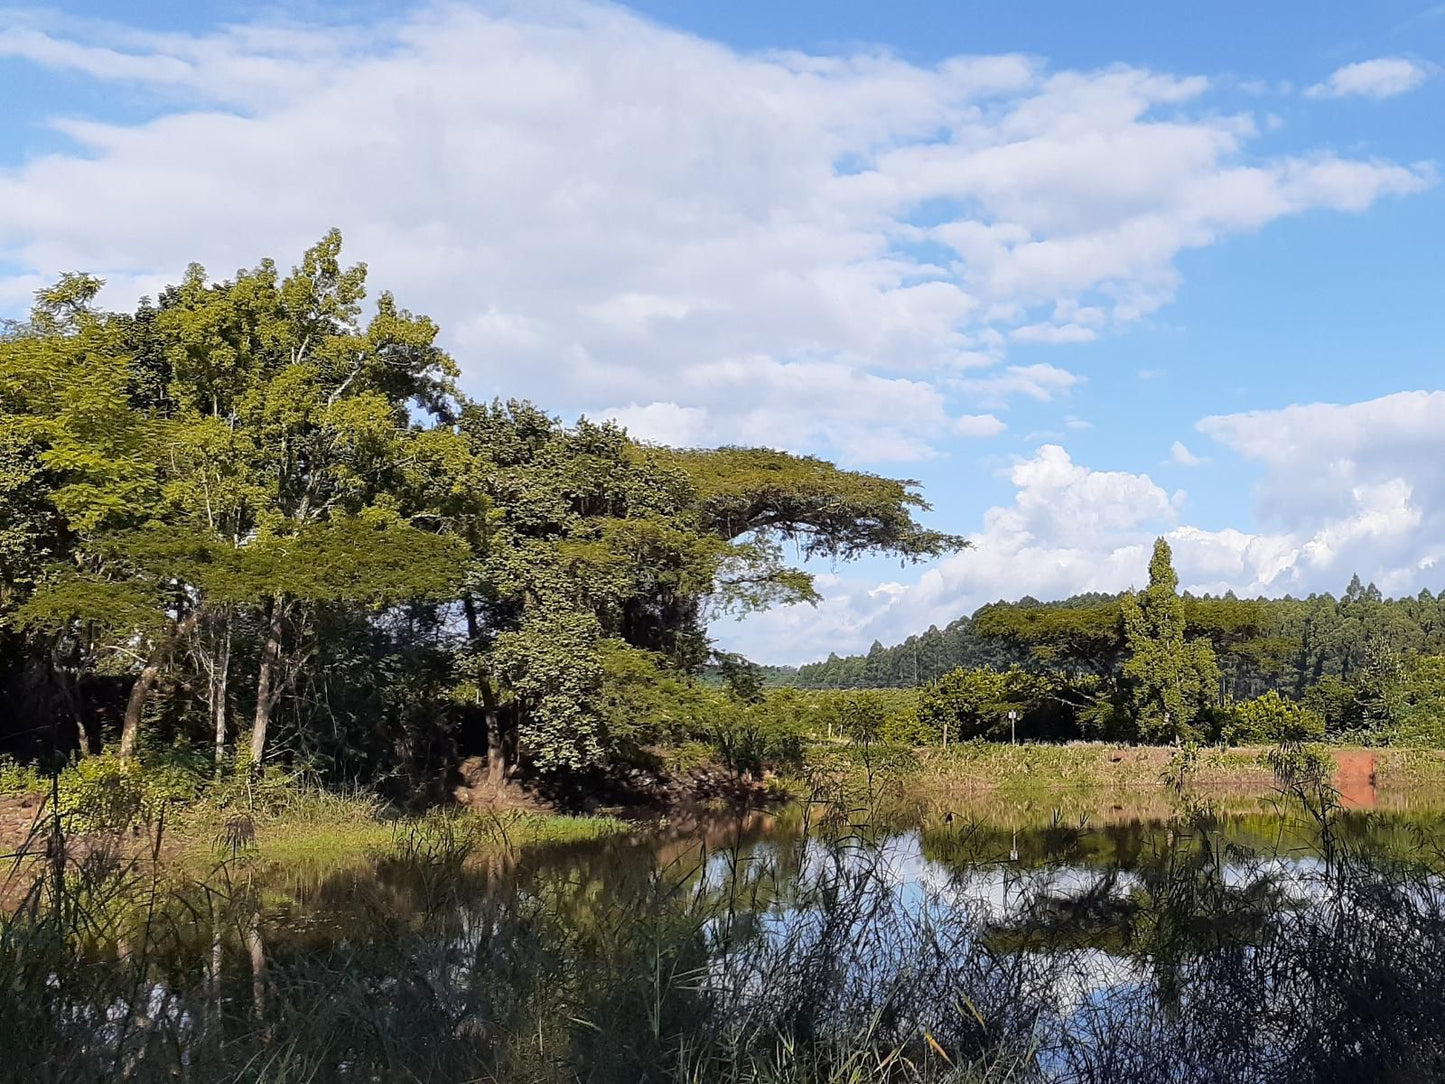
[(1173, 679), (552, 667), (253, 463), (975, 703), (1273, 720), (826, 511)]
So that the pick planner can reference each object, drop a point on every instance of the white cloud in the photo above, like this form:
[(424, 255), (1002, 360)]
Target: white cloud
[(1317, 456), (1357, 488), (1181, 456), (1041, 381), (1383, 77), (662, 423), (978, 425), (603, 213)]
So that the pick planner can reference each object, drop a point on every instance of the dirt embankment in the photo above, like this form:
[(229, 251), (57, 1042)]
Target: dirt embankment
[(18, 817)]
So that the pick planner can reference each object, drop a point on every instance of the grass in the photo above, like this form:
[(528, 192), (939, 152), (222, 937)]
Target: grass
[(323, 828), (800, 963), (990, 767)]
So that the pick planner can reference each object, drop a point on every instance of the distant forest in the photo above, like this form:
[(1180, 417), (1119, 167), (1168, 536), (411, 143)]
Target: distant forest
[(1287, 645)]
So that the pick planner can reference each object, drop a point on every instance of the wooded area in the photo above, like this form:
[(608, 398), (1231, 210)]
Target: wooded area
[(243, 519), (1360, 667)]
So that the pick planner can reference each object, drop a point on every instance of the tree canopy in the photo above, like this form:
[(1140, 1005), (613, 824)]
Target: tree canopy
[(256, 510)]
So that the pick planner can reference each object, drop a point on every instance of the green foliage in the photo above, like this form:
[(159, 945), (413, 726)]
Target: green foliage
[(742, 679), (1173, 679), (102, 793), (108, 793), (969, 704), (861, 715), (1421, 700), (1088, 638), (263, 504), (1271, 719), (826, 511), (20, 779), (552, 668), (907, 728), (1334, 702)]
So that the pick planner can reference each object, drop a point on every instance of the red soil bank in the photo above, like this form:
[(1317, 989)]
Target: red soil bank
[(1355, 778)]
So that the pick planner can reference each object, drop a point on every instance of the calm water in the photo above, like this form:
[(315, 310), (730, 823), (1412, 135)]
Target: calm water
[(1084, 942)]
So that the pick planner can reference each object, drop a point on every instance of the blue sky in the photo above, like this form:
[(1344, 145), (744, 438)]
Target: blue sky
[(1091, 275)]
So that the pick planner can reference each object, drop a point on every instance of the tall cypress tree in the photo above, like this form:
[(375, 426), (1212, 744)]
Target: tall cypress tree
[(1173, 679)]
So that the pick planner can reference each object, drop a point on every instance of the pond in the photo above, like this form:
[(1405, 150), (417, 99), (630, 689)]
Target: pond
[(1050, 940)]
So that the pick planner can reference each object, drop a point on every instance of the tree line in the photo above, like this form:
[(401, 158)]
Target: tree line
[(245, 517), (1157, 665)]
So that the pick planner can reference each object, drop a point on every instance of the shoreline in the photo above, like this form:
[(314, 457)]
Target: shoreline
[(980, 768)]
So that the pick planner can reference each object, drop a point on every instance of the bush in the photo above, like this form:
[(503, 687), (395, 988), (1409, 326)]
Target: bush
[(750, 737), (1271, 719), (102, 793), (975, 703), (16, 778), (906, 728), (1422, 717), (106, 793)]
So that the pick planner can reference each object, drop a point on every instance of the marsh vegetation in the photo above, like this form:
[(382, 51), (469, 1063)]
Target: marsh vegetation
[(824, 942)]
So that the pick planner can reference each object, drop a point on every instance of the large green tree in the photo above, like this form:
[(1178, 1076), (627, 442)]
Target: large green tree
[(1173, 678), (601, 546), (235, 500), (246, 446)]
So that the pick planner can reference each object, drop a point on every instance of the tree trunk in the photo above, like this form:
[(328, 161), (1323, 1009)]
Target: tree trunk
[(256, 949), (150, 673), (268, 683), (138, 694), (69, 683), (496, 743), (220, 683)]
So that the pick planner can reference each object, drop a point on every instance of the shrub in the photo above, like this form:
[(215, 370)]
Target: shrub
[(106, 793), (1422, 717), (906, 728), (102, 793), (1272, 719), (975, 703), (17, 778)]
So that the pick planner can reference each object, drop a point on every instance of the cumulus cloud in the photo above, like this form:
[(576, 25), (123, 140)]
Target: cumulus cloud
[(978, 425), (1041, 381), (612, 216), (1353, 488), (1383, 77), (1181, 456)]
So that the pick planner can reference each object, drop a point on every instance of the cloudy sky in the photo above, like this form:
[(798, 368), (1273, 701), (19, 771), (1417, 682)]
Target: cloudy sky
[(1091, 273)]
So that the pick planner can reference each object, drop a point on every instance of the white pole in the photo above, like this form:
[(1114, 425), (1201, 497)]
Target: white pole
[(1013, 729)]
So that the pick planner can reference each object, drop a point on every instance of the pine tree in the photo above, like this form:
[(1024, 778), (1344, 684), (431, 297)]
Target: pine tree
[(1173, 679)]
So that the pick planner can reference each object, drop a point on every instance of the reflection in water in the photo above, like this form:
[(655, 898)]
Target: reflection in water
[(1028, 945)]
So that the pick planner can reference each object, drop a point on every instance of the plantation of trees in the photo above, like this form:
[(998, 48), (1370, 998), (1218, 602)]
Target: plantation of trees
[(1358, 667)]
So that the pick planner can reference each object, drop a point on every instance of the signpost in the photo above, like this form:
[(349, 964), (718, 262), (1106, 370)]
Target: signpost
[(1013, 729)]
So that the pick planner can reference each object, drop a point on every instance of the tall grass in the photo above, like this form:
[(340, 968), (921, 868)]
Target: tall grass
[(817, 959)]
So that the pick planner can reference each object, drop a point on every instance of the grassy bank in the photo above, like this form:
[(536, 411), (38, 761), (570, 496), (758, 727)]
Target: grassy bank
[(313, 828), (353, 830), (980, 769)]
